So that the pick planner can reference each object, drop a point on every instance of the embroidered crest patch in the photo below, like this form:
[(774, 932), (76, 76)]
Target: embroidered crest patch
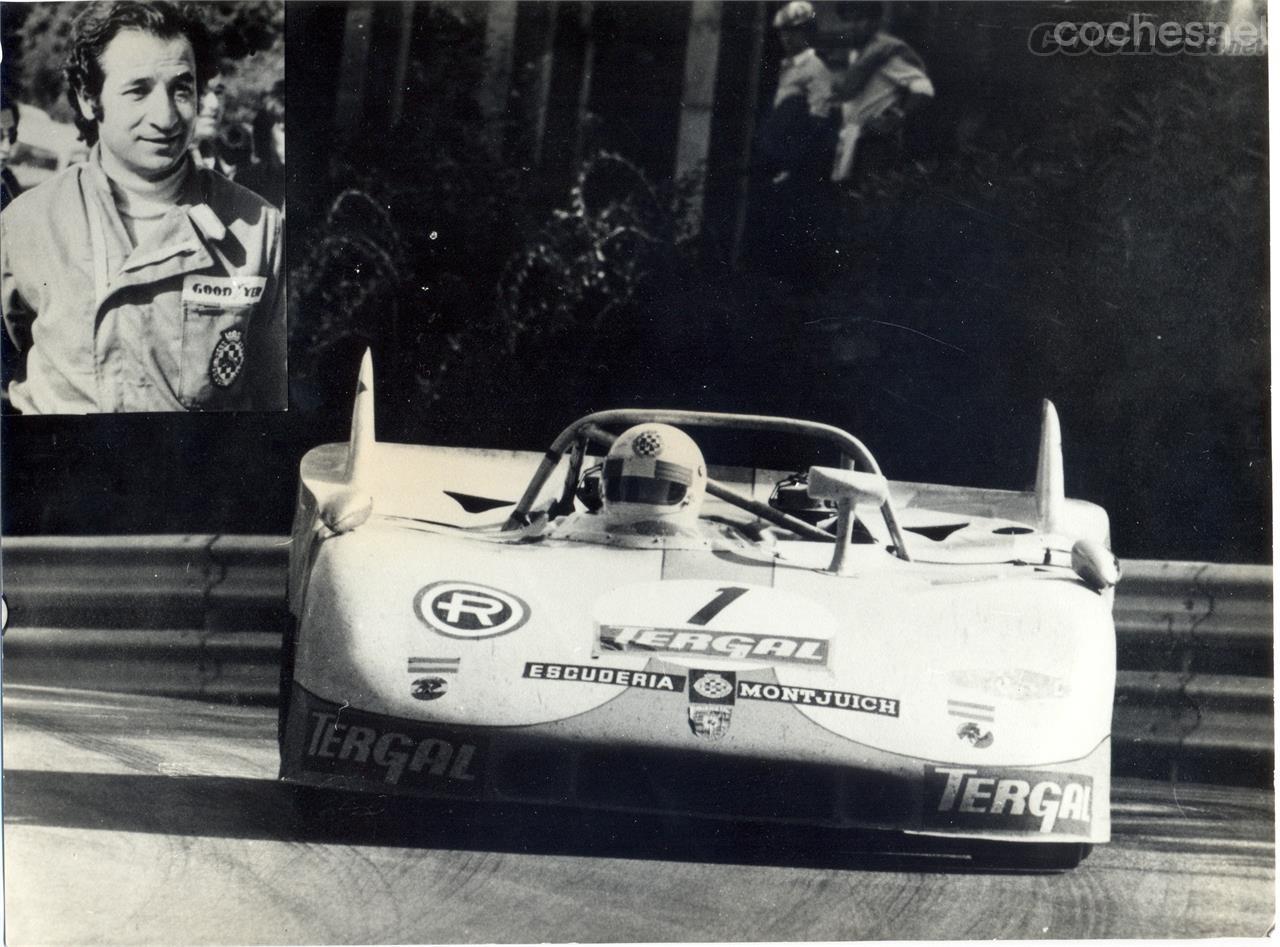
[(228, 358)]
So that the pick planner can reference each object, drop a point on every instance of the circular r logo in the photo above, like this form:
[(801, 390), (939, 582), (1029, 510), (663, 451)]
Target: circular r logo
[(469, 610)]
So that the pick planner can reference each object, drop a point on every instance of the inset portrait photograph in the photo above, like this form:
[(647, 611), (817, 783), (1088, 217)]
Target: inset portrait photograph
[(141, 241)]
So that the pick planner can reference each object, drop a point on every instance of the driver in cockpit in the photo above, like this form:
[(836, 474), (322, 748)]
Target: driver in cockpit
[(654, 482), (648, 492)]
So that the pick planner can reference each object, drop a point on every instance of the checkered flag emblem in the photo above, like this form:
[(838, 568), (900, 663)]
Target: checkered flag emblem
[(647, 444), (228, 358), (713, 687)]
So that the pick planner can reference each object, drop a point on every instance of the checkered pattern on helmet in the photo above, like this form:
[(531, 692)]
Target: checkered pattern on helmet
[(647, 444)]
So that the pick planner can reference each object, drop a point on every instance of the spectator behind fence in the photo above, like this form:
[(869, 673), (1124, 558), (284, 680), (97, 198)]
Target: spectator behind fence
[(265, 177), (884, 82), (211, 107), (793, 150), (235, 151), (137, 281), (9, 188)]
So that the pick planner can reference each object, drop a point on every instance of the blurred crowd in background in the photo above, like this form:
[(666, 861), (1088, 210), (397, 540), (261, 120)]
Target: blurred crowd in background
[(834, 122), (240, 128)]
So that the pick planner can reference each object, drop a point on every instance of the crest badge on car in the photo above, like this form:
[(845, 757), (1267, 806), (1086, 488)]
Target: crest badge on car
[(469, 610), (974, 734), (711, 697), (710, 723), (975, 717), (429, 688)]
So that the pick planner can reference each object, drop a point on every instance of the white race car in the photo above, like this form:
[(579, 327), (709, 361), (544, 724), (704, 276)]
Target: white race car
[(614, 625)]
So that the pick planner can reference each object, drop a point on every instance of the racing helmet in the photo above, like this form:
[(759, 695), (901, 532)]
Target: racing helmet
[(654, 473)]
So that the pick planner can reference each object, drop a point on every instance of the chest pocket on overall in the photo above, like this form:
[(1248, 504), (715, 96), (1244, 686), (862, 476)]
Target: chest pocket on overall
[(216, 312)]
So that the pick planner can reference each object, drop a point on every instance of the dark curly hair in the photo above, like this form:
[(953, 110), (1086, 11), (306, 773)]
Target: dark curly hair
[(97, 25)]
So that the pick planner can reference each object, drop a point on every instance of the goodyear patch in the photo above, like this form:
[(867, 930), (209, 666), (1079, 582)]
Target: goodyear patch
[(589, 674), (817, 697), (1008, 800), (773, 649), (218, 292)]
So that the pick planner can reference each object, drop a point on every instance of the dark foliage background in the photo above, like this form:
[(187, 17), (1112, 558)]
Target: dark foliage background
[(1092, 230)]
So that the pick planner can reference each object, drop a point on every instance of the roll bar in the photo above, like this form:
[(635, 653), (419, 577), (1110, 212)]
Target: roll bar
[(591, 428)]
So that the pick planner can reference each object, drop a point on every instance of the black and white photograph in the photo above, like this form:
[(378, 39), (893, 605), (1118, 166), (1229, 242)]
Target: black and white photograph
[(142, 277), (687, 471)]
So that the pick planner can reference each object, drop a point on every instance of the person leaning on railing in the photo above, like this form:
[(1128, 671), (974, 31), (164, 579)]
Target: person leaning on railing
[(885, 81)]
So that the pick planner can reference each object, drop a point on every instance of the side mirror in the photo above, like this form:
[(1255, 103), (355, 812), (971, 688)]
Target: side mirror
[(848, 488), (1095, 564), (852, 486), (346, 510)]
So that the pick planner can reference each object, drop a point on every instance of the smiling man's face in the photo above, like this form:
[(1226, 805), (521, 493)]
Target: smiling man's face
[(148, 105)]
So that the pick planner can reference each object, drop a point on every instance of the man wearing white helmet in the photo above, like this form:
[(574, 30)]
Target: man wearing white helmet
[(654, 481), (803, 74), (794, 149)]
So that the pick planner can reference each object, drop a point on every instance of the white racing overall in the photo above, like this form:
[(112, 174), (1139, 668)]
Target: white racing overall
[(192, 319)]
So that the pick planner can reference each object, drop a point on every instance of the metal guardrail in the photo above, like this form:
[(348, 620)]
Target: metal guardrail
[(202, 615), (202, 582), (1195, 688)]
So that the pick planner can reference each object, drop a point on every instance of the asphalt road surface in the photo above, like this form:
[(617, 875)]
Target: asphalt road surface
[(153, 821)]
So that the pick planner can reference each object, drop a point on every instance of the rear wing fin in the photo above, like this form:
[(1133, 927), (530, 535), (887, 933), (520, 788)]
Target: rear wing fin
[(360, 453), (349, 507), (1050, 487)]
